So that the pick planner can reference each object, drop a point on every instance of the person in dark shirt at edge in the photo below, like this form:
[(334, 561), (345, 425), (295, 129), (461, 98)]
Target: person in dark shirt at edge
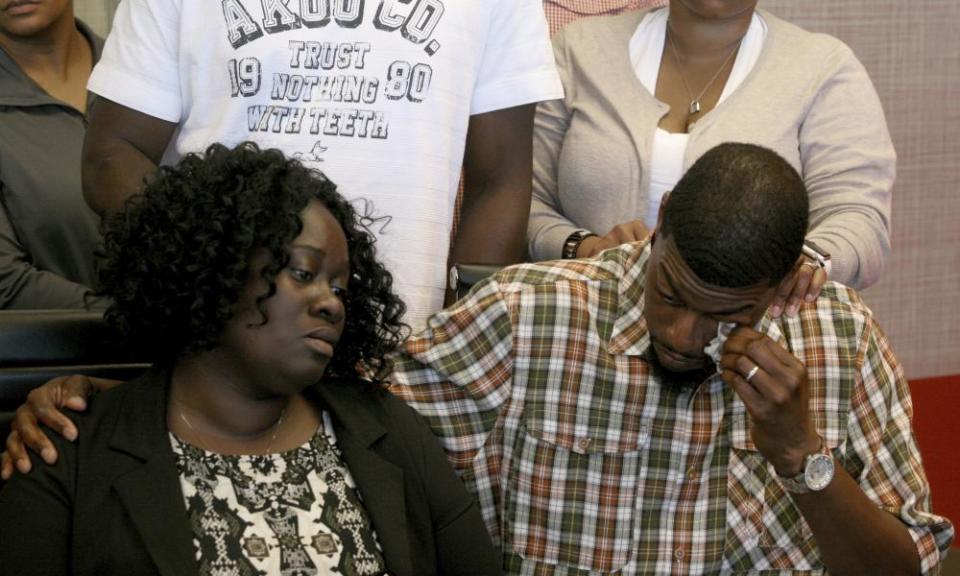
[(47, 232), (261, 440)]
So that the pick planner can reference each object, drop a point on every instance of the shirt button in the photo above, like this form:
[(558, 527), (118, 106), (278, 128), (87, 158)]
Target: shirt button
[(692, 474), (679, 554), (585, 443)]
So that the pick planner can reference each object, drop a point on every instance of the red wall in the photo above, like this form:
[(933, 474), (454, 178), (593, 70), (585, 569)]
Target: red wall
[(936, 422)]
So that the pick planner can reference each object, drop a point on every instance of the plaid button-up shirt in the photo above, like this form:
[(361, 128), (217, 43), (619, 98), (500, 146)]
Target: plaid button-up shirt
[(585, 461), (562, 12)]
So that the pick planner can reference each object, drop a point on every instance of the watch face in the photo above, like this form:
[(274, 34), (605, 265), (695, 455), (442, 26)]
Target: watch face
[(819, 471)]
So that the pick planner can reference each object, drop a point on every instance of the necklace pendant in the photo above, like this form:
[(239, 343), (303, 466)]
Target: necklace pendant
[(694, 107)]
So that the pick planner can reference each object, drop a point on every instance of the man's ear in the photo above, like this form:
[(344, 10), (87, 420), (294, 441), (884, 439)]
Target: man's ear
[(663, 207)]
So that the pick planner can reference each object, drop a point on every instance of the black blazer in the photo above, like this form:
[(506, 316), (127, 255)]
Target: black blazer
[(112, 504)]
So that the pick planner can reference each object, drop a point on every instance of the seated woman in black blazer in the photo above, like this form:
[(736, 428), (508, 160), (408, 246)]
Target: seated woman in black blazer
[(260, 442)]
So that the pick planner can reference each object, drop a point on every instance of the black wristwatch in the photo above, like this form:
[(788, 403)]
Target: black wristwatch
[(572, 243)]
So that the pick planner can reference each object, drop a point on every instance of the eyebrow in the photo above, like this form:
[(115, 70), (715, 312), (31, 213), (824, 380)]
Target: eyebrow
[(319, 251), (727, 312)]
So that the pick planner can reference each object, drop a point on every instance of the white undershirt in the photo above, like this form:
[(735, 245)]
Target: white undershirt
[(646, 51)]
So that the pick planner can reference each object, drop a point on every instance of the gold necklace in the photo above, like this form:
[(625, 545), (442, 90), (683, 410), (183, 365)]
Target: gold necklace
[(695, 102), (276, 427)]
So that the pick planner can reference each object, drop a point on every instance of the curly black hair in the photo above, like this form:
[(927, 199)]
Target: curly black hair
[(177, 258)]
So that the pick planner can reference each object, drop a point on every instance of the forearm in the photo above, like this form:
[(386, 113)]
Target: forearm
[(26, 287), (853, 535), (849, 167), (858, 245), (497, 188), (492, 226), (547, 230)]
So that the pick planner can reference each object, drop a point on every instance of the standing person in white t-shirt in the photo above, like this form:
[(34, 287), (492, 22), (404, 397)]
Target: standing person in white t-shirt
[(388, 97)]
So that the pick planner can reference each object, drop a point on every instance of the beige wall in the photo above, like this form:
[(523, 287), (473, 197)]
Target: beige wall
[(912, 51), (96, 13)]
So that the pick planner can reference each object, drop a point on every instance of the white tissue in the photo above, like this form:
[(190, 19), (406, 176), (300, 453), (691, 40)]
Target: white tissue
[(715, 348)]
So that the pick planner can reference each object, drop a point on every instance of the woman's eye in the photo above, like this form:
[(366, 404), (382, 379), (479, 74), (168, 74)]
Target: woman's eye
[(339, 292), (301, 275)]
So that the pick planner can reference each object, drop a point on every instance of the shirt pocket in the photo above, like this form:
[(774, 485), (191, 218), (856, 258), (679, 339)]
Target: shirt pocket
[(765, 530), (571, 496)]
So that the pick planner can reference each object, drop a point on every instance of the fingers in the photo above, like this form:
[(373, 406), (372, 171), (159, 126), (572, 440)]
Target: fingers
[(27, 430), (798, 295), (816, 284), (784, 290), (803, 284), (776, 369), (739, 340), (751, 396), (631, 231), (17, 454), (74, 391), (6, 466), (45, 404), (598, 245)]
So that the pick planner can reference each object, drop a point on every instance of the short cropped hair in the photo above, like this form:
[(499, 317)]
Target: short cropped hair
[(178, 256), (738, 216)]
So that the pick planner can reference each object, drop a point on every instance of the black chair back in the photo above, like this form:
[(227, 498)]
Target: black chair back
[(37, 345)]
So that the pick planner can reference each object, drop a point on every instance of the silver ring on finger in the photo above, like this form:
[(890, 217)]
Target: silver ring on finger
[(751, 373)]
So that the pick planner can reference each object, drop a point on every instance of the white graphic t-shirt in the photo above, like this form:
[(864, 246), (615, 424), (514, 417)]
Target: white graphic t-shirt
[(375, 93)]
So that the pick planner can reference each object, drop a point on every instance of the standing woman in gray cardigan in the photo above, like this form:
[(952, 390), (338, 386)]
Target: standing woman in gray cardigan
[(47, 232), (648, 92)]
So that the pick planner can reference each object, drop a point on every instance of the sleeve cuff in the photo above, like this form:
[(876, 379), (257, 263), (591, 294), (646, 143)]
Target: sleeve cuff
[(136, 94)]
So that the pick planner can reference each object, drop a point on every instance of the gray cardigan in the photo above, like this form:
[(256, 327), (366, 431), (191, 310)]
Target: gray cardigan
[(808, 98), (47, 232)]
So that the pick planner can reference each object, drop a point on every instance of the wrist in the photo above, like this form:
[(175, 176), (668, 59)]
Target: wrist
[(794, 460), (817, 472), (571, 246)]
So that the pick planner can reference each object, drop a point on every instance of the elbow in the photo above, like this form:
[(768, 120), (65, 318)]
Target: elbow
[(92, 170)]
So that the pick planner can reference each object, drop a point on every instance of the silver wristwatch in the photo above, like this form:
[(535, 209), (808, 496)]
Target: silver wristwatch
[(817, 473)]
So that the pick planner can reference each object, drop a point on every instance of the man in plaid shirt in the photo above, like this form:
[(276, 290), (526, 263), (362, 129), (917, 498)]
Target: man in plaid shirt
[(578, 403)]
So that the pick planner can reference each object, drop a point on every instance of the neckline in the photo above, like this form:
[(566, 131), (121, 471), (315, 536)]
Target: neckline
[(321, 431), (761, 18)]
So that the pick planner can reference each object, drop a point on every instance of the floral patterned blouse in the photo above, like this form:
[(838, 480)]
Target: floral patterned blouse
[(293, 513)]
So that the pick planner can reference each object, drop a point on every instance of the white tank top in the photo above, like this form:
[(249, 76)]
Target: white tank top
[(669, 149)]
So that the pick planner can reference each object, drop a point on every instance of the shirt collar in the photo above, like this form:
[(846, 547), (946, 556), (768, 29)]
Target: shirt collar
[(630, 336)]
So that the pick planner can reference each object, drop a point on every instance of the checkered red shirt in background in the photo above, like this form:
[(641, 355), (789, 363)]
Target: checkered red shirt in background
[(562, 12)]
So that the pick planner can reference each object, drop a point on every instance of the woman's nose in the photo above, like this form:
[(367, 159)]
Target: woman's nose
[(325, 302)]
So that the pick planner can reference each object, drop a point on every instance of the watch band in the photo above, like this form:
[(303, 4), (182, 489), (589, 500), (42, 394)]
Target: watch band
[(817, 473), (572, 243)]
